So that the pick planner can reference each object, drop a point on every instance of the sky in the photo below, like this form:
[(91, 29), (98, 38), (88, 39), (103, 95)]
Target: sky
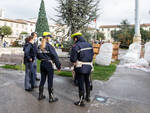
[(111, 11)]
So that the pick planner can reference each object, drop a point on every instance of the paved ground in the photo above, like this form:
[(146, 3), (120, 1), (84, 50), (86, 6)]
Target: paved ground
[(128, 91), (121, 53)]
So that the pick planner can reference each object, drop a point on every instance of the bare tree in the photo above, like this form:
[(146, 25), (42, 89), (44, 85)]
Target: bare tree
[(77, 14)]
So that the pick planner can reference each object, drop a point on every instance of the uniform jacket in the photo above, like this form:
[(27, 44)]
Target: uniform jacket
[(49, 54), (29, 52), (82, 51)]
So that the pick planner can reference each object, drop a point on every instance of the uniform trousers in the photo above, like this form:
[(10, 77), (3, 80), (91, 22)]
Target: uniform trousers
[(83, 81), (47, 71)]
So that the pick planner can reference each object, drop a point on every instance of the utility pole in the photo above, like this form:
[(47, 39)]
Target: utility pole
[(95, 29), (137, 35)]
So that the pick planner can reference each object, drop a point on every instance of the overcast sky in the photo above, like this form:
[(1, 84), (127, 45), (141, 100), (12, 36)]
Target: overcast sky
[(112, 11)]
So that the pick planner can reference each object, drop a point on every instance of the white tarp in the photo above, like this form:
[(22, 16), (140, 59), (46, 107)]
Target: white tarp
[(134, 66), (147, 52), (133, 54), (105, 55), (142, 62), (143, 66), (134, 60)]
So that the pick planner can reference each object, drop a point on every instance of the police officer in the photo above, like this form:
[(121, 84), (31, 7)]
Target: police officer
[(29, 58), (47, 55), (34, 34), (81, 57)]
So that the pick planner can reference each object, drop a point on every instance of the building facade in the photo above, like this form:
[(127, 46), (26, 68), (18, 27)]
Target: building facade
[(19, 25), (16, 26), (106, 29)]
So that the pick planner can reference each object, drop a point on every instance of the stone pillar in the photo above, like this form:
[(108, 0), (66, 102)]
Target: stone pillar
[(137, 35)]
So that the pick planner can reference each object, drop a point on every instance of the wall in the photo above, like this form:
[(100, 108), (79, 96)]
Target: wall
[(18, 51)]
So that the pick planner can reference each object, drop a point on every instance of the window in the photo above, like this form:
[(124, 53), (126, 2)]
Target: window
[(14, 24), (5, 23), (22, 26), (17, 25), (107, 35), (11, 25)]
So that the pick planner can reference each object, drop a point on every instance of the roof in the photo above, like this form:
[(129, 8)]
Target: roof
[(26, 21), (109, 26), (146, 25), (12, 20), (117, 26)]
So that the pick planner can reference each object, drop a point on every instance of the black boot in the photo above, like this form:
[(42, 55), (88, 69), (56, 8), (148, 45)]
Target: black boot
[(32, 87), (51, 96), (41, 96), (87, 98), (37, 79), (81, 101)]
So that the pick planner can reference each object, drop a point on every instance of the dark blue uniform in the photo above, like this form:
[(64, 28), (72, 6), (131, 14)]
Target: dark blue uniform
[(35, 63), (82, 51), (29, 53), (46, 67)]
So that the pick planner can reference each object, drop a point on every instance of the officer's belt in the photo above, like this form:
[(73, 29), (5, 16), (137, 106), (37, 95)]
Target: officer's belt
[(48, 61), (80, 63)]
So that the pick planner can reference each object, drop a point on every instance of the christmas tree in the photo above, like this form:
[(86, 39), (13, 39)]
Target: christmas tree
[(42, 23)]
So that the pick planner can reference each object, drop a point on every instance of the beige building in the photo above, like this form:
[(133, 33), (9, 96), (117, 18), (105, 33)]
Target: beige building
[(20, 25), (106, 29), (16, 26)]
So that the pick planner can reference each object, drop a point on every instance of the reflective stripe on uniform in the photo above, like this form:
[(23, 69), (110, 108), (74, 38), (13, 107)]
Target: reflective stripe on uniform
[(89, 48)]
